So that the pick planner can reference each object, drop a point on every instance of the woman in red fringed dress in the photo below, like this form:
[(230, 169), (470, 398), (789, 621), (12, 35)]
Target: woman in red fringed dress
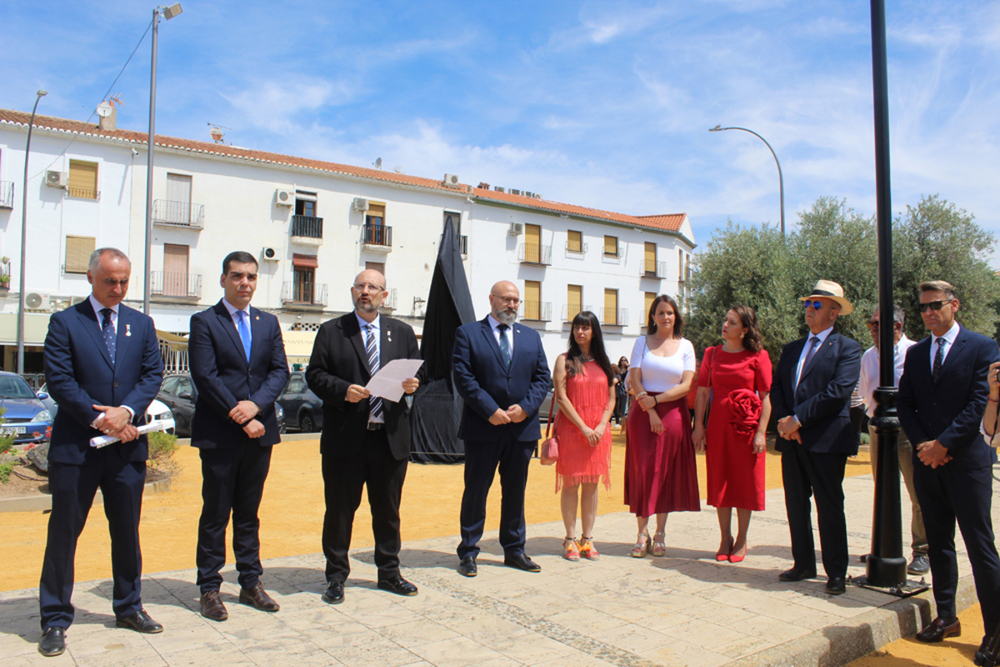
[(585, 392), (737, 375), (660, 472)]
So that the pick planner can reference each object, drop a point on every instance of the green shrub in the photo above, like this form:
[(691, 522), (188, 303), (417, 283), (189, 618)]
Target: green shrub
[(6, 442), (5, 469), (161, 445)]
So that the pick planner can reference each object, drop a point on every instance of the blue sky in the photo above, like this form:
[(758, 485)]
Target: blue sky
[(604, 104)]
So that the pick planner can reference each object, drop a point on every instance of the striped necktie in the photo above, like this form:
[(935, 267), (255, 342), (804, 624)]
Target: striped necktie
[(938, 359), (504, 344), (374, 403)]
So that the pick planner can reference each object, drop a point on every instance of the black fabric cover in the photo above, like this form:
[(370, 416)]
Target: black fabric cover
[(437, 409)]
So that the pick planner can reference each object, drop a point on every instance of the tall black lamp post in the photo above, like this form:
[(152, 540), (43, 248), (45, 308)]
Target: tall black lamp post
[(24, 239)]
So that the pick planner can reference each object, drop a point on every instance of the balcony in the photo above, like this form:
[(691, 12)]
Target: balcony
[(653, 269), (536, 311), (83, 193), (7, 194), (577, 250), (572, 310), (533, 253), (178, 214), (377, 238), (169, 285), (613, 256), (303, 295), (307, 230), (614, 317)]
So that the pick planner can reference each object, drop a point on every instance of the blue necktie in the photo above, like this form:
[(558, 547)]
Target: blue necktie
[(109, 332), (244, 330), (374, 403), (504, 344), (938, 360)]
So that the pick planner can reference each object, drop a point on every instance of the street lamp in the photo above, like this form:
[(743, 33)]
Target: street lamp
[(781, 179), (168, 13), (24, 238)]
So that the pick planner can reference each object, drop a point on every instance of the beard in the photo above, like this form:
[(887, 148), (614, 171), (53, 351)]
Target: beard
[(506, 316), (365, 306)]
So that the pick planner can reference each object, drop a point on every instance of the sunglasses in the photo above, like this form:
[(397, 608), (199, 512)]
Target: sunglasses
[(933, 305), (816, 305), (873, 326)]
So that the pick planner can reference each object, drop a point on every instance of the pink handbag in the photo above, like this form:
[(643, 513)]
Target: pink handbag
[(550, 448)]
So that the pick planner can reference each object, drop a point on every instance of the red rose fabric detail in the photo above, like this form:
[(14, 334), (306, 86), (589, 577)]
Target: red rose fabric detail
[(745, 408)]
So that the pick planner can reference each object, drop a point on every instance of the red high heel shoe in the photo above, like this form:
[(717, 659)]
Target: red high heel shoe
[(738, 558), (723, 556)]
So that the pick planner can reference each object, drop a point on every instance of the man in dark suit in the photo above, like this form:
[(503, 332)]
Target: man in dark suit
[(503, 377), (366, 439), (811, 399), (942, 396), (103, 368), (238, 364)]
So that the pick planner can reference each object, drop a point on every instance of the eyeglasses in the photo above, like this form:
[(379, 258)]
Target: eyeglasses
[(512, 300), (933, 305), (368, 287), (817, 305)]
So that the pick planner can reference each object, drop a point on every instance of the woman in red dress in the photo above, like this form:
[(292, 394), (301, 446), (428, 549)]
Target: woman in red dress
[(737, 376), (585, 391)]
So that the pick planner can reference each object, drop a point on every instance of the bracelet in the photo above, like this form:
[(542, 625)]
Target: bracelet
[(993, 400), (656, 399), (640, 395)]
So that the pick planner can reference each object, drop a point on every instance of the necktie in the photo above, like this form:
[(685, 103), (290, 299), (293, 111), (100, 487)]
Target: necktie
[(244, 330), (938, 359), (504, 344), (374, 403), (813, 343), (109, 332)]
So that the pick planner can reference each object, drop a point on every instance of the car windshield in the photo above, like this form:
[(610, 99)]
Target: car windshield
[(12, 386)]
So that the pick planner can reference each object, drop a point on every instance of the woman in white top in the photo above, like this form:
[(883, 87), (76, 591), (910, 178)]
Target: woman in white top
[(660, 473)]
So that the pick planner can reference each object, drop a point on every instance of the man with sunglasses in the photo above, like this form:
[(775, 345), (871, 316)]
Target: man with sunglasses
[(870, 381), (366, 439), (811, 399), (942, 395)]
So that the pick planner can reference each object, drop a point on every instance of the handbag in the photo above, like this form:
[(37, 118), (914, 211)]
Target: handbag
[(550, 448)]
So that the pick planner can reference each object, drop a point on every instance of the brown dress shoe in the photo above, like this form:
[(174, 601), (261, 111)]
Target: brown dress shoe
[(939, 630), (212, 607), (257, 598)]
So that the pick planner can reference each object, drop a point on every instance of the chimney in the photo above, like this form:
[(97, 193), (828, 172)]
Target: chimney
[(109, 122)]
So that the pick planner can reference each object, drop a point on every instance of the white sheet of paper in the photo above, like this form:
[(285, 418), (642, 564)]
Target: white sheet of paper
[(387, 384), (105, 440)]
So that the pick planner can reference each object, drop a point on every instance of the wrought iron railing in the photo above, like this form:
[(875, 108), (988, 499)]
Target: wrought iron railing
[(569, 312), (653, 269), (307, 226), (378, 235), (616, 317), (538, 311), (533, 253), (6, 194), (84, 193), (303, 293), (168, 283), (178, 213)]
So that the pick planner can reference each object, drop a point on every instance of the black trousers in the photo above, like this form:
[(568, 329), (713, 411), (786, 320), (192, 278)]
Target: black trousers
[(232, 483), (343, 479), (806, 474), (73, 490)]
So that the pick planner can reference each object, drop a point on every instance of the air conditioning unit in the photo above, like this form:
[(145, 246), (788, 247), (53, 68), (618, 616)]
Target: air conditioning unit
[(451, 180), (36, 301), (360, 204), (500, 188), (530, 195), (77, 300), (284, 197), (56, 179), (515, 192), (269, 255), (516, 229)]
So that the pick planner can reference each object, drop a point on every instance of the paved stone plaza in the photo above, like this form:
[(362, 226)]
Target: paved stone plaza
[(684, 609)]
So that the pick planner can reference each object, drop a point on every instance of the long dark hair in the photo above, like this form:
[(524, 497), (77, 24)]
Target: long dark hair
[(574, 357), (678, 318), (748, 320)]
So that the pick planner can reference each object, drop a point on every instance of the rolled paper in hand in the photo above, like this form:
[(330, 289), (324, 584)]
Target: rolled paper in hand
[(105, 440)]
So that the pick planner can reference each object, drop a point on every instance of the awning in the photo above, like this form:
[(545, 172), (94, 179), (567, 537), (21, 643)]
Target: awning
[(305, 261)]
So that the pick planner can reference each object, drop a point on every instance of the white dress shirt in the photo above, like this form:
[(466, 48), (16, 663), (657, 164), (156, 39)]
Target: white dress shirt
[(949, 338), (236, 318), (508, 334), (870, 372)]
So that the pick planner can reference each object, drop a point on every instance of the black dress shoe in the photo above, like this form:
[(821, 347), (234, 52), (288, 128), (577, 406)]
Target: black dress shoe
[(795, 574), (521, 562), (836, 586), (939, 630), (53, 642), (257, 598), (140, 622), (334, 593), (212, 607), (467, 568), (398, 585), (919, 565)]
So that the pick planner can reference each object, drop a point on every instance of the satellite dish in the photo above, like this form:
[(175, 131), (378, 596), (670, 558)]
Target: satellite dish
[(104, 109), (378, 163)]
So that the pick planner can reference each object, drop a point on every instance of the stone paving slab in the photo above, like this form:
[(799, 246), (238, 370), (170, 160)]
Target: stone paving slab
[(682, 609)]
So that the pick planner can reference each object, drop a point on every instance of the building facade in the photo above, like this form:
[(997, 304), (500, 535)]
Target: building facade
[(313, 226)]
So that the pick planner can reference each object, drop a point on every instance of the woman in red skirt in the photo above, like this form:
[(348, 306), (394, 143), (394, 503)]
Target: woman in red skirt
[(737, 375), (585, 390), (660, 473)]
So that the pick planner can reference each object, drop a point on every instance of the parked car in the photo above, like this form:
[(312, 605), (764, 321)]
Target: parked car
[(303, 409), (180, 395), (157, 412), (25, 416)]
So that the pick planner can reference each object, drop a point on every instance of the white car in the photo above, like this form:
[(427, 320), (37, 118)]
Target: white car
[(156, 413)]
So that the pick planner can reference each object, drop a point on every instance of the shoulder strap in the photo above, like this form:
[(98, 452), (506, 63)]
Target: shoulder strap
[(552, 407)]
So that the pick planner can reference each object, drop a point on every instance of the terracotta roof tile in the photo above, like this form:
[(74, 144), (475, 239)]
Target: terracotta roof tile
[(669, 222)]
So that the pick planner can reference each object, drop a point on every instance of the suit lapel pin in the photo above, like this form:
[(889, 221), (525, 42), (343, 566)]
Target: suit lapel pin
[(257, 317), (128, 329), (388, 335)]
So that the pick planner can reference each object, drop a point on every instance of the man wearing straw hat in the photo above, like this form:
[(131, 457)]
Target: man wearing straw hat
[(811, 398)]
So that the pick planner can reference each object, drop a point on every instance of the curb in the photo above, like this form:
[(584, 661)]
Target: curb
[(842, 644), (43, 503)]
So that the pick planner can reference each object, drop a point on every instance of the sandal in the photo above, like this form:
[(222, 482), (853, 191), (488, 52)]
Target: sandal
[(659, 545), (641, 547), (572, 551), (587, 549)]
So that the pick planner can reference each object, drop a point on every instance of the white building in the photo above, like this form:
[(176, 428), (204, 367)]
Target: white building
[(313, 225)]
